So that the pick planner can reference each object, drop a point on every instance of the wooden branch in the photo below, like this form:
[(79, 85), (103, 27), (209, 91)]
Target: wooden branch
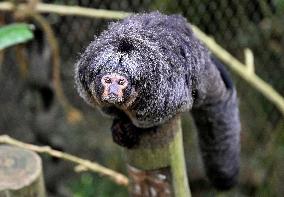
[(68, 10), (249, 60), (241, 69), (115, 176), (238, 67)]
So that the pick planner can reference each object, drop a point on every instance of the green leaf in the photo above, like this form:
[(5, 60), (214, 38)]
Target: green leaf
[(14, 34)]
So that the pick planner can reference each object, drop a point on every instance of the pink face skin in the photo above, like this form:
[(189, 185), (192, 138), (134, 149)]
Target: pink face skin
[(113, 85)]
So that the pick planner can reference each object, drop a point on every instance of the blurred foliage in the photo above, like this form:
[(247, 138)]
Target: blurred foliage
[(280, 5), (14, 34), (93, 185)]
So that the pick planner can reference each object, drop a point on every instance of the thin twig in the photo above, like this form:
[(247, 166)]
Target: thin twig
[(73, 114), (115, 176), (22, 61)]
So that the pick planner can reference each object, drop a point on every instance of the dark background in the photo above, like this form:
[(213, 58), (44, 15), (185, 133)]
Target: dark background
[(29, 110)]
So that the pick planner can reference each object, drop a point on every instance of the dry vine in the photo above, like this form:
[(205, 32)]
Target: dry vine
[(26, 11), (73, 114)]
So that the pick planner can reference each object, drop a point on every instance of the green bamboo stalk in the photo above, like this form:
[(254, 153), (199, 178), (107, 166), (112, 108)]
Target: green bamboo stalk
[(241, 69), (159, 158)]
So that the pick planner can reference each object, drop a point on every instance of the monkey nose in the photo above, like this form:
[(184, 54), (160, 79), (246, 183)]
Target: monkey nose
[(113, 90)]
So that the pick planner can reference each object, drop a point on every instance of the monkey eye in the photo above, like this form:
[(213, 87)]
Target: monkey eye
[(107, 80), (121, 82)]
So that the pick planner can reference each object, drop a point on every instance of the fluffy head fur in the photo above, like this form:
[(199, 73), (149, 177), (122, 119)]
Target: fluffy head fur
[(162, 82)]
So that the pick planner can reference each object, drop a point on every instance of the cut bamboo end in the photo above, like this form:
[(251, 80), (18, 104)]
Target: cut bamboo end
[(20, 173)]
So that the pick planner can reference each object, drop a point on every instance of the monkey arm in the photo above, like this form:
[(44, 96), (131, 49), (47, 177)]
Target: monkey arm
[(217, 121), (125, 133)]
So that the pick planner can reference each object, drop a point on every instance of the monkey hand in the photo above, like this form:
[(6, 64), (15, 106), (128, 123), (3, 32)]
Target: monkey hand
[(125, 133)]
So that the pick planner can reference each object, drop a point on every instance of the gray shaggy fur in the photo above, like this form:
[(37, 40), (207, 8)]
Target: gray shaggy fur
[(172, 72)]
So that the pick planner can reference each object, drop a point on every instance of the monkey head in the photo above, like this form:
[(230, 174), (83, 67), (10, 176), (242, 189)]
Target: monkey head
[(131, 70), (109, 86)]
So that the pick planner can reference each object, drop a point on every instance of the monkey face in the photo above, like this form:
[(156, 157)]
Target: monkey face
[(112, 89), (114, 86)]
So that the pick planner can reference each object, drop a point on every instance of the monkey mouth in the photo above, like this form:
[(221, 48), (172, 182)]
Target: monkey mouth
[(112, 99)]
